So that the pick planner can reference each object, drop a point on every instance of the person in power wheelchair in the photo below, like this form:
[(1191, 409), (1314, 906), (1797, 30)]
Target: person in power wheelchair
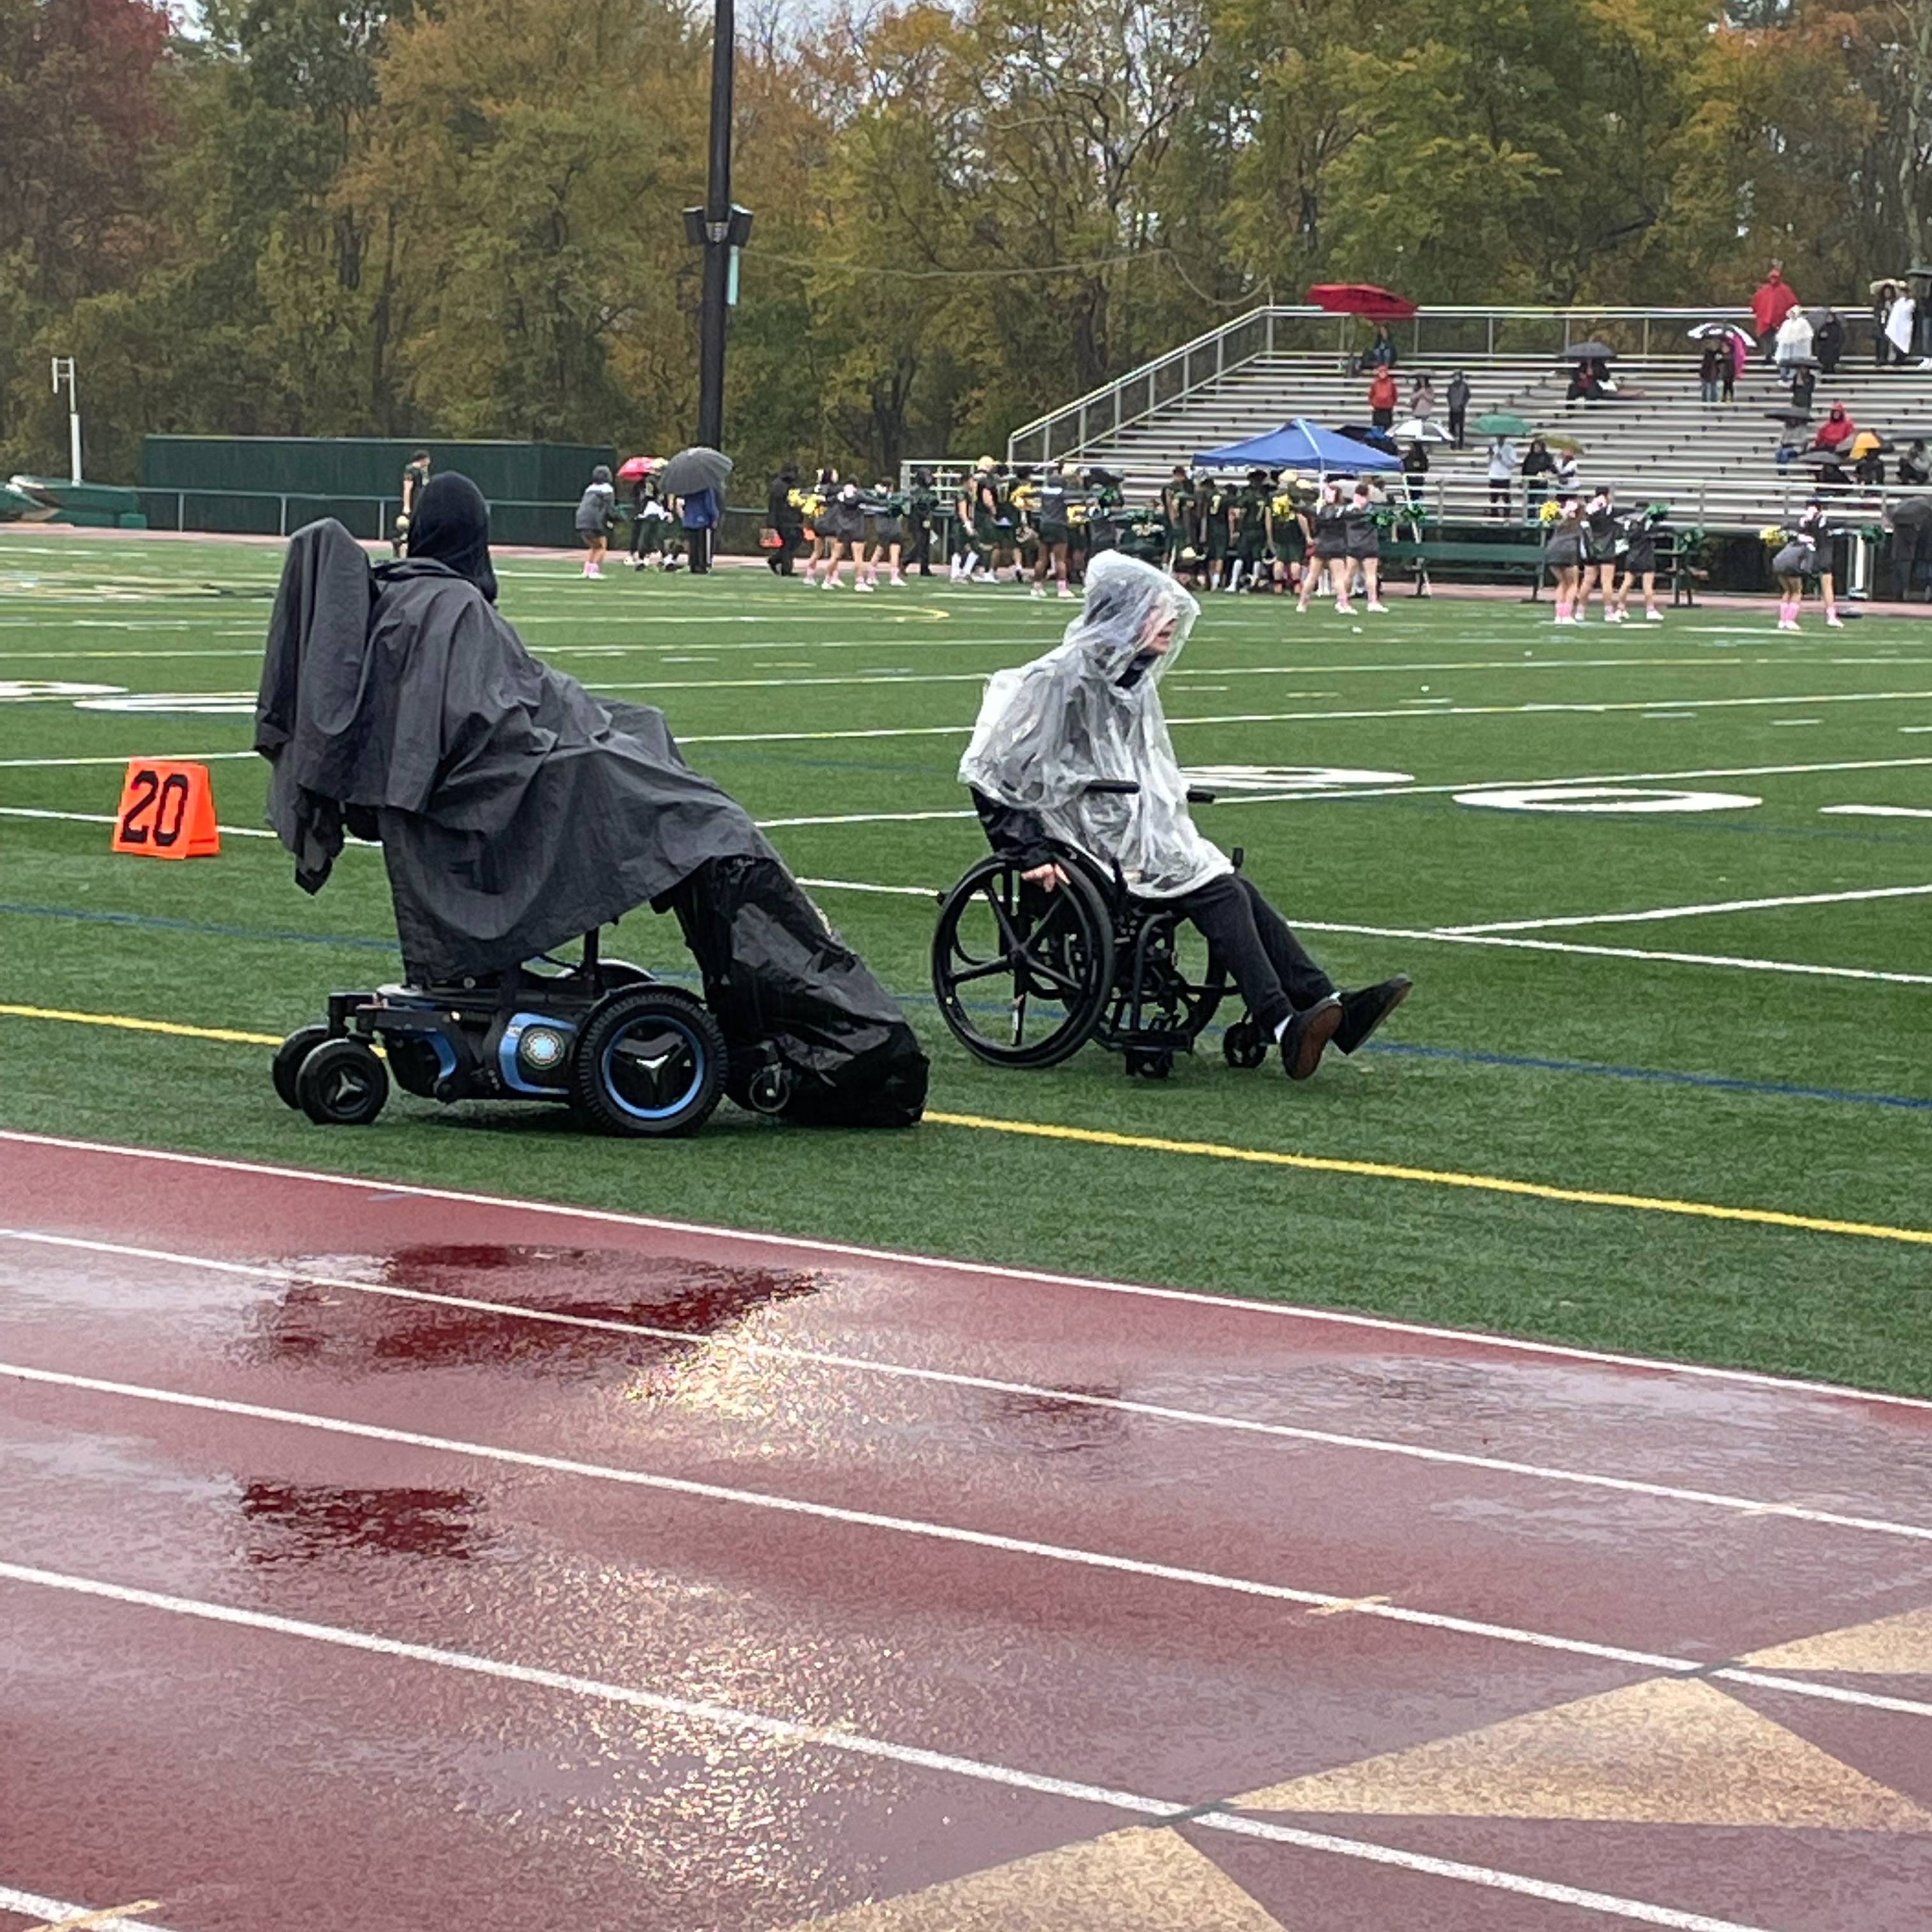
[(517, 813), (1074, 775)]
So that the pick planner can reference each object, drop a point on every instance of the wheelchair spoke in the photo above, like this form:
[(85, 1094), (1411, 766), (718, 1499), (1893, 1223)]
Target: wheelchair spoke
[(980, 970)]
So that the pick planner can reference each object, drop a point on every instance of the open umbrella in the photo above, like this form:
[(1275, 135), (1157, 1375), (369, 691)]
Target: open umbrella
[(1887, 282), (1362, 298), (1367, 433), (1588, 351), (1501, 422), (1788, 415), (632, 467), (1704, 328), (693, 470), (1869, 443), (1421, 429), (1556, 439)]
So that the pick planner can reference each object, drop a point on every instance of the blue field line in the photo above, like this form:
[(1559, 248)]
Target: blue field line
[(1472, 1056), (1665, 1075)]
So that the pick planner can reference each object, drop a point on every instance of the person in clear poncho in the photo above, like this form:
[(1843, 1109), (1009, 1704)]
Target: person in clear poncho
[(1090, 710)]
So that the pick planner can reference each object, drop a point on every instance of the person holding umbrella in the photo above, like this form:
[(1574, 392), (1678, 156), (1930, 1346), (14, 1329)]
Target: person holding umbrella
[(696, 477), (1716, 352), (1502, 474)]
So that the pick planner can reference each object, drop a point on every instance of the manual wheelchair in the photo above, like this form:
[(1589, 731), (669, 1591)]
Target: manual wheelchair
[(1087, 961), (627, 1053)]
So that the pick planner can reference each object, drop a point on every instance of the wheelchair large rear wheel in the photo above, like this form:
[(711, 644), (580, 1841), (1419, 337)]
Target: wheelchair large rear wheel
[(650, 1060), (1022, 976)]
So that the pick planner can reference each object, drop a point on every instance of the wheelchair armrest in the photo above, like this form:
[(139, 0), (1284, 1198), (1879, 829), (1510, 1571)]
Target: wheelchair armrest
[(1124, 788), (1198, 795)]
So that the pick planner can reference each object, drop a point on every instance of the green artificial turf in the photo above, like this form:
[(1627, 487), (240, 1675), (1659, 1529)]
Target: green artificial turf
[(1727, 1084)]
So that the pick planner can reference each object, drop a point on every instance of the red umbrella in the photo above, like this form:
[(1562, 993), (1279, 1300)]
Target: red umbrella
[(1359, 298), (634, 466)]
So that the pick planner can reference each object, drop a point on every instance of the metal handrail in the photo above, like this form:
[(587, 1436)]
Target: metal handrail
[(1108, 404)]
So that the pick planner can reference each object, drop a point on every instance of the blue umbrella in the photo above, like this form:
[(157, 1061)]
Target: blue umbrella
[(1298, 445)]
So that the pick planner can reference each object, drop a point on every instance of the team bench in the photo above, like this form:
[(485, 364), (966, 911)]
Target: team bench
[(1512, 557)]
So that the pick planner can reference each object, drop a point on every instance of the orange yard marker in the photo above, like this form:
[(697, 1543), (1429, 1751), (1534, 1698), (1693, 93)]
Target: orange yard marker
[(166, 811)]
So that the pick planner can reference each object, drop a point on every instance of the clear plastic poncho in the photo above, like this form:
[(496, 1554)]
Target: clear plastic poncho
[(1091, 709)]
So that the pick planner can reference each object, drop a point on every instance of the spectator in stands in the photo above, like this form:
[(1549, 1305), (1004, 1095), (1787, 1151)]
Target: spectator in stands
[(1792, 344), (1586, 383), (1415, 468), (1884, 294), (1773, 301), (1502, 474), (1538, 465), (1382, 397), (1563, 478), (1868, 472), (1915, 468), (1804, 384), (1381, 351), (1828, 341), (1710, 366), (1836, 431), (1457, 396), (1898, 328), (1736, 366), (1422, 397)]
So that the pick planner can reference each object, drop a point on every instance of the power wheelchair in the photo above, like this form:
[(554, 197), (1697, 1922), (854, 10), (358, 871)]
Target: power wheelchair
[(1085, 961), (628, 1053)]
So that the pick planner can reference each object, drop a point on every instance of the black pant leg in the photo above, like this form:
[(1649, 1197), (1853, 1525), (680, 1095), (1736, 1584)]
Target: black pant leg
[(1274, 975)]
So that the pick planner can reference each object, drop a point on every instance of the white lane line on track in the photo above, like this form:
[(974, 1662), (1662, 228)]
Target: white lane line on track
[(725, 1717), (1875, 811), (1510, 1344), (156, 758), (1750, 1506), (1328, 1602), (59, 1913), (1692, 911)]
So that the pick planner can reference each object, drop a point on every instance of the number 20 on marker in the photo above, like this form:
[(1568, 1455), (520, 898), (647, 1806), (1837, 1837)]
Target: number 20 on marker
[(166, 811)]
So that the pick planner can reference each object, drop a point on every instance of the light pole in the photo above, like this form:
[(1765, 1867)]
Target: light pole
[(63, 369), (720, 229)]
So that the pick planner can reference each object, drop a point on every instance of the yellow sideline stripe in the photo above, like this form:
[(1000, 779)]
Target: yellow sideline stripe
[(1313, 1163), (130, 1023), (1492, 1183)]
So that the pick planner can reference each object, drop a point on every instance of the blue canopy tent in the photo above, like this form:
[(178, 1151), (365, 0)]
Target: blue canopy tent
[(1299, 445)]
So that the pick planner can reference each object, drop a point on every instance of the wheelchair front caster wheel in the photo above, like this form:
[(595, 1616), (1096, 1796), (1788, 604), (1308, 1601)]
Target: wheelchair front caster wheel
[(340, 1083), (650, 1060), (1243, 1045), (289, 1057), (1149, 1066)]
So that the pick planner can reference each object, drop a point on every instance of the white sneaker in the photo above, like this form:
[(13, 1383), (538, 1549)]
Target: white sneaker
[(1345, 610), (1038, 590), (861, 583), (1382, 607), (1653, 616), (899, 582), (828, 583), (1833, 622), (1065, 590)]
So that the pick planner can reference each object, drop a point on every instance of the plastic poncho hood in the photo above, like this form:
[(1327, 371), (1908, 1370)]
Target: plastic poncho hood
[(1091, 709)]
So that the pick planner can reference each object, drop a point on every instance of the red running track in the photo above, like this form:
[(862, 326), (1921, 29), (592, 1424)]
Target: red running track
[(378, 1560)]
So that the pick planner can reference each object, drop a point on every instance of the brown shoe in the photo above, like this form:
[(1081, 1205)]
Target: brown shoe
[(1307, 1034)]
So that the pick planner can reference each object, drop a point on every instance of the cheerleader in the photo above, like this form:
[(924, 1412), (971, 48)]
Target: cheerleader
[(1363, 542), (1640, 564), (1564, 554), (843, 525), (1806, 546), (1600, 556), (888, 534), (1327, 547), (1052, 513), (812, 505)]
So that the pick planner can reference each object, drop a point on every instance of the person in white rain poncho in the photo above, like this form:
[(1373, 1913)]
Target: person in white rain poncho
[(1090, 711)]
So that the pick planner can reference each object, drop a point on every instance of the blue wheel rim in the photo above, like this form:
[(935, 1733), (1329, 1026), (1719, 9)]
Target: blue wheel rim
[(610, 1067)]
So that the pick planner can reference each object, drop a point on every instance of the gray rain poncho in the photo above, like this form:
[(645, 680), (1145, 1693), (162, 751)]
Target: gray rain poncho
[(1091, 710)]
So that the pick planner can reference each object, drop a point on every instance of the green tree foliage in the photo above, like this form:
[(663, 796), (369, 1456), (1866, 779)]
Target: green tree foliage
[(327, 217)]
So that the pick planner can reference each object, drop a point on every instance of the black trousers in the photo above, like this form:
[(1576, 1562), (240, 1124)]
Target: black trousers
[(919, 556), (1268, 963), (781, 559), (697, 550)]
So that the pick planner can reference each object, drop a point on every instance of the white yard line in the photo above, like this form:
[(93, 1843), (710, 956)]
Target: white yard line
[(853, 1743), (1692, 911), (1161, 1412), (1875, 810)]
